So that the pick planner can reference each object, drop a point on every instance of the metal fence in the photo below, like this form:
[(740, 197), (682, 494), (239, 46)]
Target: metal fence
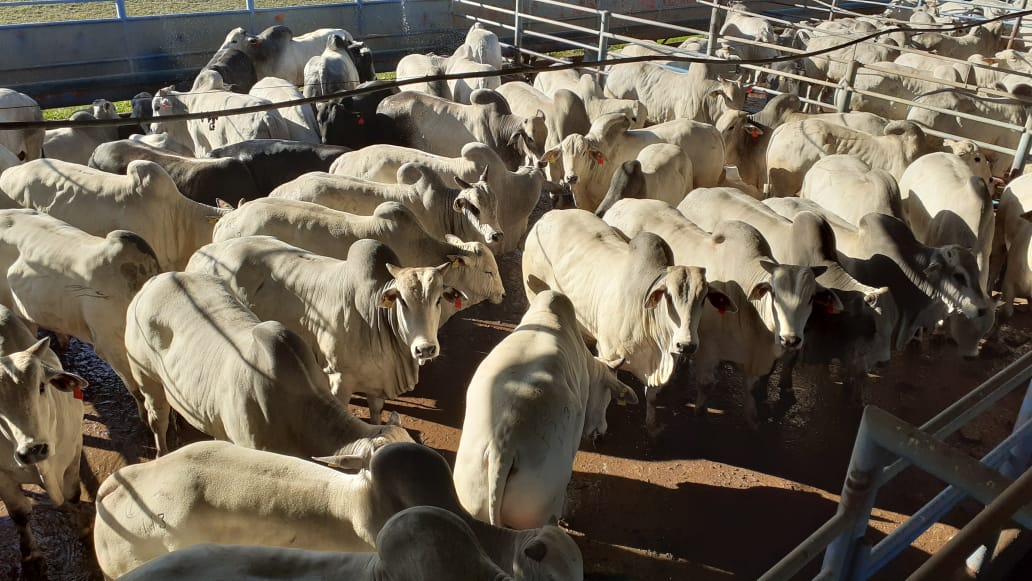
[(73, 62), (885, 445), (594, 26)]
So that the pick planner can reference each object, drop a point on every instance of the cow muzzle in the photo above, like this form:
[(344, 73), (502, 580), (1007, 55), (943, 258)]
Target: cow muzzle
[(685, 349), (791, 341), (570, 179), (28, 454), (424, 352)]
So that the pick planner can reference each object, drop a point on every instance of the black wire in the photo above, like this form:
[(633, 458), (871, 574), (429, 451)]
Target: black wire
[(11, 125)]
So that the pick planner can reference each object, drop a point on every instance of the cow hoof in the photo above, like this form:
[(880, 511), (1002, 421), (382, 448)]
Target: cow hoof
[(34, 567)]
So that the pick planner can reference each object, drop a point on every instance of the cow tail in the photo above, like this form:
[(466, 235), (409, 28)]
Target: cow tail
[(499, 466)]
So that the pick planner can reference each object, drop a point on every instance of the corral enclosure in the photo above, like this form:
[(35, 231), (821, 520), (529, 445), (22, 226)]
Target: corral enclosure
[(708, 500)]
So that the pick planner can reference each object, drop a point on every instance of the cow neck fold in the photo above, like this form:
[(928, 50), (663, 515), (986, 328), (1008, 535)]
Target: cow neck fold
[(384, 323), (658, 334)]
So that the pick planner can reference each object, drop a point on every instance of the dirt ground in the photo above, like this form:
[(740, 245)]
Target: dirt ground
[(709, 500)]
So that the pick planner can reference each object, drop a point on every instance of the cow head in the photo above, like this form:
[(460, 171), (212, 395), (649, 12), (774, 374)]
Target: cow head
[(952, 272), (793, 292), (28, 391), (414, 295), (681, 292), (479, 206), (474, 270), (584, 168)]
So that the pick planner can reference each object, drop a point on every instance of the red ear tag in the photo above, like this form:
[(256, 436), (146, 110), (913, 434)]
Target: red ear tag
[(77, 393), (721, 311), (755, 134), (361, 120), (458, 302), (599, 159), (748, 91), (830, 308)]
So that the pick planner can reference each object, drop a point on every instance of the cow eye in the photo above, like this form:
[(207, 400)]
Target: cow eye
[(961, 280), (489, 273), (438, 301), (42, 386)]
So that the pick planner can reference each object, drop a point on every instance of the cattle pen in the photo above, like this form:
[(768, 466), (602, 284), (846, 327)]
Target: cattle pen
[(708, 500)]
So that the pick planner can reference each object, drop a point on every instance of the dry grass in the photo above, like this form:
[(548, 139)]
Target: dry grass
[(106, 9)]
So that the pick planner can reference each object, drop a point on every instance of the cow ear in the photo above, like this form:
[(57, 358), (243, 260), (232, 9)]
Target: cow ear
[(828, 300), (539, 114), (536, 550), (393, 270), (483, 176), (463, 183), (655, 295), (871, 298), (455, 296), (39, 347), (818, 270), (453, 239), (552, 155), (459, 204), (456, 260), (342, 462), (768, 266), (64, 381), (721, 301), (753, 130), (1027, 216), (514, 140), (759, 290), (621, 392), (388, 297)]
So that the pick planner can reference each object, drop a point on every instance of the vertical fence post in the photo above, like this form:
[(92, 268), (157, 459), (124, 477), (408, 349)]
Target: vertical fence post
[(120, 9), (1016, 26), (517, 25), (845, 90), (249, 4), (1016, 463), (857, 501), (714, 31), (831, 10), (603, 36), (1022, 151)]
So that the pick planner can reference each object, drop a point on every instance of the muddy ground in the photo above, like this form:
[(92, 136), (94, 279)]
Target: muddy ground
[(709, 500)]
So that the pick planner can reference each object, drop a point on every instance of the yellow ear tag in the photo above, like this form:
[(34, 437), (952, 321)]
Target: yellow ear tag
[(455, 264), (213, 221), (553, 157), (386, 303), (621, 402)]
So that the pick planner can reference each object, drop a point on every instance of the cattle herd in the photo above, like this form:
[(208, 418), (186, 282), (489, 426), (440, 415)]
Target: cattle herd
[(356, 228)]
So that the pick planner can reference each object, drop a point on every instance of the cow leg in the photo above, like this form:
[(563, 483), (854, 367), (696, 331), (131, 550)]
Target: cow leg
[(375, 409), (20, 507), (157, 409), (652, 426), (785, 380), (755, 397)]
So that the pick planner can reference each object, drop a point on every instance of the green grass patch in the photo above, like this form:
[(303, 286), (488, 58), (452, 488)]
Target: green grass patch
[(65, 112)]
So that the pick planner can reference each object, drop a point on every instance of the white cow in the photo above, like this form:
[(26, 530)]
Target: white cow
[(422, 543), (25, 144), (461, 89), (207, 134), (63, 279), (278, 53), (332, 71), (300, 119), (773, 301), (371, 323), (629, 296), (469, 213), (76, 144), (596, 103), (695, 94), (660, 171), (591, 160), (145, 201), (1014, 233), (528, 405), (331, 233), (141, 516), (519, 191), (194, 347), (947, 203), (849, 188), (796, 146), (40, 427)]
